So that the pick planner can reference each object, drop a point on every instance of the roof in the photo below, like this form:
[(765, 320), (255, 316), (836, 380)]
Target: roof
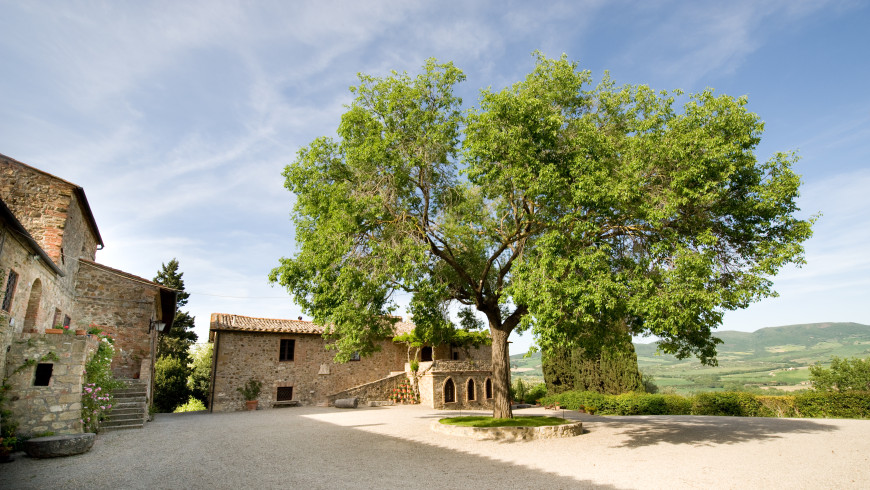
[(16, 226), (226, 321), (77, 189)]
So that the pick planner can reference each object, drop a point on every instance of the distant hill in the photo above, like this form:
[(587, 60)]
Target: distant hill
[(769, 357)]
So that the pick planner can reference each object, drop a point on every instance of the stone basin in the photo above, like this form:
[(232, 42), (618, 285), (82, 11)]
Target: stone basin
[(59, 446)]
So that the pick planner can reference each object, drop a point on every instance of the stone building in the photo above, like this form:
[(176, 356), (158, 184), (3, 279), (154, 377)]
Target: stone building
[(49, 279), (291, 360)]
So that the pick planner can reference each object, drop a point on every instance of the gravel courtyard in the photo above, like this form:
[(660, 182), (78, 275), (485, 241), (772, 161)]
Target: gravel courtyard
[(387, 447)]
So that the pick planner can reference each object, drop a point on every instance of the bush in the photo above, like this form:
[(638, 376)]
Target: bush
[(536, 393), (852, 405), (729, 403), (192, 405), (199, 380), (98, 385), (170, 383)]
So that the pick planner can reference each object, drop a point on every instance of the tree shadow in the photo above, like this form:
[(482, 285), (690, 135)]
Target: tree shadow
[(697, 430)]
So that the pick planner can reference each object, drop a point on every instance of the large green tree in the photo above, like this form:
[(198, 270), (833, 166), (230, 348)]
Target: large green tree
[(553, 206), (178, 341), (173, 347)]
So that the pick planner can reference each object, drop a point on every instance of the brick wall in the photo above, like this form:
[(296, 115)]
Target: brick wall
[(56, 407), (312, 374)]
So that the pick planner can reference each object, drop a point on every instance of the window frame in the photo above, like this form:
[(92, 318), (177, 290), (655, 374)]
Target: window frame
[(283, 352), (9, 291)]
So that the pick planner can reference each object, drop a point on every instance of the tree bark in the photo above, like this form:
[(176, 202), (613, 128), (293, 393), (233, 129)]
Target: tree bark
[(501, 373)]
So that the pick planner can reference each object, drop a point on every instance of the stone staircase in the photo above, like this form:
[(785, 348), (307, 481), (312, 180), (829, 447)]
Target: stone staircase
[(130, 410)]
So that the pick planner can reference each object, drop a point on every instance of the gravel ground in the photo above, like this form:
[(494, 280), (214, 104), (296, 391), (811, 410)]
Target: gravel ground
[(312, 447)]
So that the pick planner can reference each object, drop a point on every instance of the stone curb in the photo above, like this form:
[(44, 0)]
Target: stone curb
[(510, 433)]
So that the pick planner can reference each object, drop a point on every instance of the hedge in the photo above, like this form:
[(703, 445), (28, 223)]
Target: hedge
[(855, 404)]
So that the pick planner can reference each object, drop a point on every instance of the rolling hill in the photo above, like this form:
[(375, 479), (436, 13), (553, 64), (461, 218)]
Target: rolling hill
[(772, 357)]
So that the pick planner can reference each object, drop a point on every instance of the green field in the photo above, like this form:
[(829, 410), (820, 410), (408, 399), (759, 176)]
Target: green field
[(771, 358)]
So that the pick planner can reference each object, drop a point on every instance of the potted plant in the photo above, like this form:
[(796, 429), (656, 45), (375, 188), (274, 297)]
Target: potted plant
[(6, 446), (250, 392)]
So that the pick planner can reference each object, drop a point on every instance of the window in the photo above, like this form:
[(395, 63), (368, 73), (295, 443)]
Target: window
[(66, 320), (55, 322), (487, 388), (455, 355), (470, 390), (285, 393), (43, 374), (426, 354), (354, 356), (449, 391), (288, 346), (11, 282)]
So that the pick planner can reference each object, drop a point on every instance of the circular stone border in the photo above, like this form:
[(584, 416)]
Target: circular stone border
[(510, 433)]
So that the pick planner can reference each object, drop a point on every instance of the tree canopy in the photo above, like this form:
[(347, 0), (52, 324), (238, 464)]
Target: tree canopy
[(552, 205)]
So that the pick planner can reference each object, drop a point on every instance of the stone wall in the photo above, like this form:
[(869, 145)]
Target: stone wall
[(433, 380), (122, 307), (379, 390), (313, 374), (56, 407), (46, 206), (53, 297)]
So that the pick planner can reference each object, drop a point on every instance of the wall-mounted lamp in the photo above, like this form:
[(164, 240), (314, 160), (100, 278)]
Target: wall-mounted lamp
[(160, 326)]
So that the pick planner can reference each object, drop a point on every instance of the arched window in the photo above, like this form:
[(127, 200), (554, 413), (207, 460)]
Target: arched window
[(471, 390), (487, 387), (449, 391), (33, 306)]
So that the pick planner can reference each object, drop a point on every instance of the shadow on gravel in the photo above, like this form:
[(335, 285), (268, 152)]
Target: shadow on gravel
[(703, 431), (270, 449)]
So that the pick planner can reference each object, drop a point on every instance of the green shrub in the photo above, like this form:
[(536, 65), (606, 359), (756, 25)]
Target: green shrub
[(192, 405), (536, 393), (852, 404), (729, 403), (777, 406), (170, 383)]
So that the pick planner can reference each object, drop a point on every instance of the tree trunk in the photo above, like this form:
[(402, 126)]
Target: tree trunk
[(501, 374)]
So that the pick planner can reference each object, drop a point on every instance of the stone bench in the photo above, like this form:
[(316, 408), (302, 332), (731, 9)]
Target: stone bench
[(286, 403), (59, 446)]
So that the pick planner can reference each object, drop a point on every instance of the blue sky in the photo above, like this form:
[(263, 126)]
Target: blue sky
[(178, 117)]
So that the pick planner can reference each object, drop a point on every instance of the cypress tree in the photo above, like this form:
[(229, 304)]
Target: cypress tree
[(599, 367)]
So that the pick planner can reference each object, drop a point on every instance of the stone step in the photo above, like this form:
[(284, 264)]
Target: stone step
[(128, 409), (129, 392), (108, 428)]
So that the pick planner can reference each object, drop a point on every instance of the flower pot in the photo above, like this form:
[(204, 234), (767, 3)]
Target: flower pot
[(53, 330), (81, 332), (251, 404)]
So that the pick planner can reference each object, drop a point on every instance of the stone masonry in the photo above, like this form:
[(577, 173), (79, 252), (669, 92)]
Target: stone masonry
[(57, 406)]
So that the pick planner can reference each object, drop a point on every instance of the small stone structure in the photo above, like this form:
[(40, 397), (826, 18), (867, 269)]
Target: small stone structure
[(346, 403), (59, 446), (53, 403)]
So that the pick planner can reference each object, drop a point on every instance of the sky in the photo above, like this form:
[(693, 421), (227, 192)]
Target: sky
[(177, 118)]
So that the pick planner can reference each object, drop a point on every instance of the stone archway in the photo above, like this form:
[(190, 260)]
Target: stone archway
[(32, 313)]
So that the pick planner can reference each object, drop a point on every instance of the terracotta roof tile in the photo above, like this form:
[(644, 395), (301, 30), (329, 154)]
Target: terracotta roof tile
[(226, 321)]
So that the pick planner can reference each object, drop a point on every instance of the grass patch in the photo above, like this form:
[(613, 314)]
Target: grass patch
[(484, 421)]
